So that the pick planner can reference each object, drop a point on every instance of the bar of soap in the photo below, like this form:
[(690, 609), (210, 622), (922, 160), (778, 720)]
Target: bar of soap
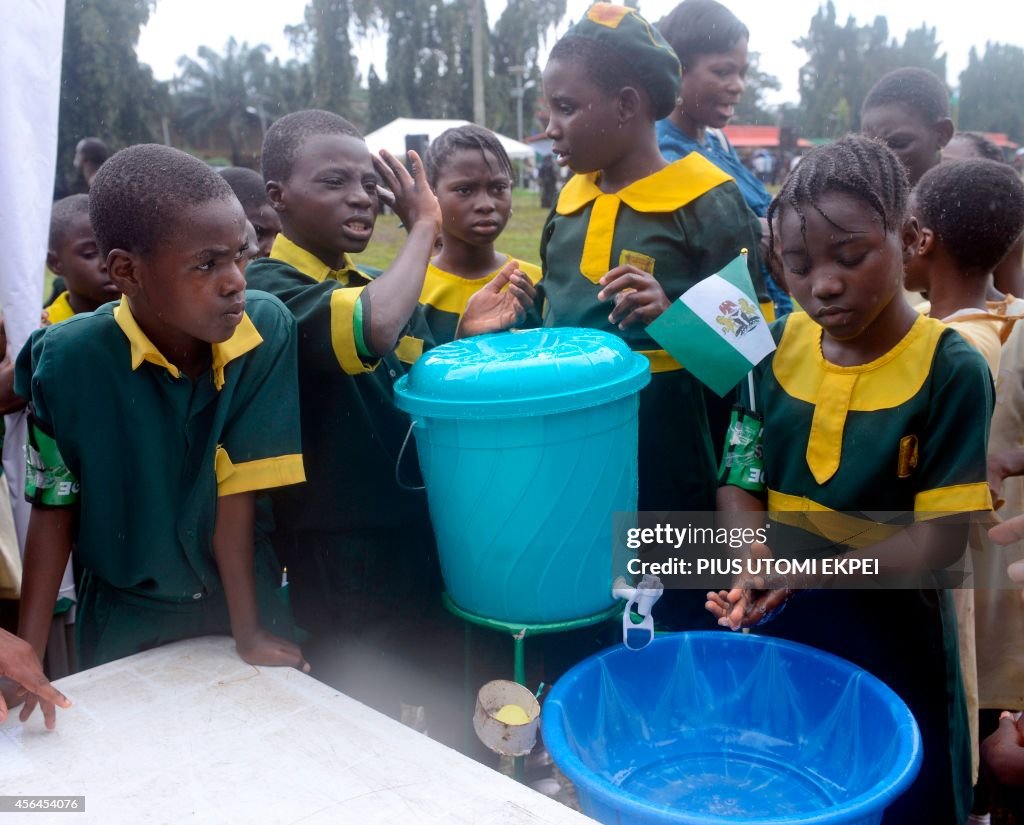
[(512, 715)]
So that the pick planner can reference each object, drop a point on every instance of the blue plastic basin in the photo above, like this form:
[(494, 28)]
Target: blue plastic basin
[(528, 444), (714, 728)]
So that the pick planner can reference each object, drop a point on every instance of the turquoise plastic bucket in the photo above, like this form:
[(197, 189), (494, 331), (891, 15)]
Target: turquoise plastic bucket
[(720, 728), (528, 443)]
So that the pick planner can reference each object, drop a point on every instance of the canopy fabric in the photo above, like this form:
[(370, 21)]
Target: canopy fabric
[(392, 136)]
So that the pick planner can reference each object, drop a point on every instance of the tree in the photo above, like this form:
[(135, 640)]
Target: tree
[(844, 62), (325, 35), (105, 92), (752, 108), (517, 36), (992, 93), (223, 93)]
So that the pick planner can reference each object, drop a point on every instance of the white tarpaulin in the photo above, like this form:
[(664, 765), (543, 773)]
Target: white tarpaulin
[(392, 136), (29, 102)]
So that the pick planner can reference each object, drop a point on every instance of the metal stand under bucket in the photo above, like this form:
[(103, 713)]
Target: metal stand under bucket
[(518, 632)]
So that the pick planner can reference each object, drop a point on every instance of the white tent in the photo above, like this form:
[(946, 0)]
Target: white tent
[(392, 136)]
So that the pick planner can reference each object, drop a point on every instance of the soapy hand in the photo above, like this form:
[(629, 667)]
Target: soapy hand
[(752, 599)]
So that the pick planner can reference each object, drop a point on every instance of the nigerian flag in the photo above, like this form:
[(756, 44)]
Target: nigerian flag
[(715, 329)]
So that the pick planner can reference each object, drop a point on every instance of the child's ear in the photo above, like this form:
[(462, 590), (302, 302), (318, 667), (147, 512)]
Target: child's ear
[(944, 131), (53, 262), (913, 238), (629, 106), (274, 195), (123, 271)]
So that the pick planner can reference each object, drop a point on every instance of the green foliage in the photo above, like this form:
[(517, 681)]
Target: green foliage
[(992, 91), (324, 34), (752, 108), (105, 92), (222, 94), (516, 42), (844, 62)]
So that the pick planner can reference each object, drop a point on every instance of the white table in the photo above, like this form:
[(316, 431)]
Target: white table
[(190, 733)]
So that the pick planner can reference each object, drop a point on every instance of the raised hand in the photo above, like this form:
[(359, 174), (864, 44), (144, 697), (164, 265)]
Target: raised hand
[(501, 304), (414, 201)]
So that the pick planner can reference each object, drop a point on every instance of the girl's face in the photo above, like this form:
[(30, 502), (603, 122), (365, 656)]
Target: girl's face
[(584, 122), (844, 278), (475, 194), (712, 86)]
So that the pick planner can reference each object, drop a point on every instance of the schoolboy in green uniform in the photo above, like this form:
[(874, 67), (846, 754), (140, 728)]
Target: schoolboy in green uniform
[(358, 544), (631, 232), (74, 256), (154, 420)]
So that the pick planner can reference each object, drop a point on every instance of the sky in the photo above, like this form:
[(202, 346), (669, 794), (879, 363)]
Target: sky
[(179, 27)]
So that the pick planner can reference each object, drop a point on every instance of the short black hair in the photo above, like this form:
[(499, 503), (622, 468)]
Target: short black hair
[(247, 185), (697, 27), (983, 147), (286, 136), (856, 165), (93, 150), (139, 194), (975, 207), (610, 72), (61, 215), (917, 90), (471, 137)]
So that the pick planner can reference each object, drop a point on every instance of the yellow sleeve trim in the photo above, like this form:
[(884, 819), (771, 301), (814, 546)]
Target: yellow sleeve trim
[(343, 310), (768, 311), (409, 349), (836, 527), (261, 474), (957, 498)]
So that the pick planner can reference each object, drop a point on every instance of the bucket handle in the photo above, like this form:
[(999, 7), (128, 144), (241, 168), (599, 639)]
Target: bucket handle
[(398, 463)]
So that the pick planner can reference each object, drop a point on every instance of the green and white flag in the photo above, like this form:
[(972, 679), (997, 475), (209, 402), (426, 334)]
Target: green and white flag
[(715, 329)]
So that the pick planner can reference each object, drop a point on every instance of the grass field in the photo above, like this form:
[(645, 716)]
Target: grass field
[(521, 238)]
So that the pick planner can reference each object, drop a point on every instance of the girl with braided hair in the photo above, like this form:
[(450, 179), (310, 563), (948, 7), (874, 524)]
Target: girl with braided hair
[(875, 420)]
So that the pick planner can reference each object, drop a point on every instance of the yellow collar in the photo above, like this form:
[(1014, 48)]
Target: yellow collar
[(244, 339), (834, 391), (666, 190), (309, 264)]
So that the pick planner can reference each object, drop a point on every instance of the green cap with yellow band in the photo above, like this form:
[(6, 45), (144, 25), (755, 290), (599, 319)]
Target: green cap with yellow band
[(641, 45)]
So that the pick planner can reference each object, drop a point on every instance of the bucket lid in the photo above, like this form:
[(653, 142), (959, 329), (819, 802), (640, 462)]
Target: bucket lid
[(528, 372)]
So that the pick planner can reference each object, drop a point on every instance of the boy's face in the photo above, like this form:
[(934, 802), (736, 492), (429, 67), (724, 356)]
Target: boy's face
[(917, 144), (191, 288), (266, 224), (78, 261), (844, 278), (583, 120), (329, 204), (475, 195)]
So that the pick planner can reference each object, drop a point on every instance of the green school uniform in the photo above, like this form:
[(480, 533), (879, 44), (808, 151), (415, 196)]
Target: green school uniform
[(907, 432), (680, 224), (446, 294), (352, 515), (143, 452)]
